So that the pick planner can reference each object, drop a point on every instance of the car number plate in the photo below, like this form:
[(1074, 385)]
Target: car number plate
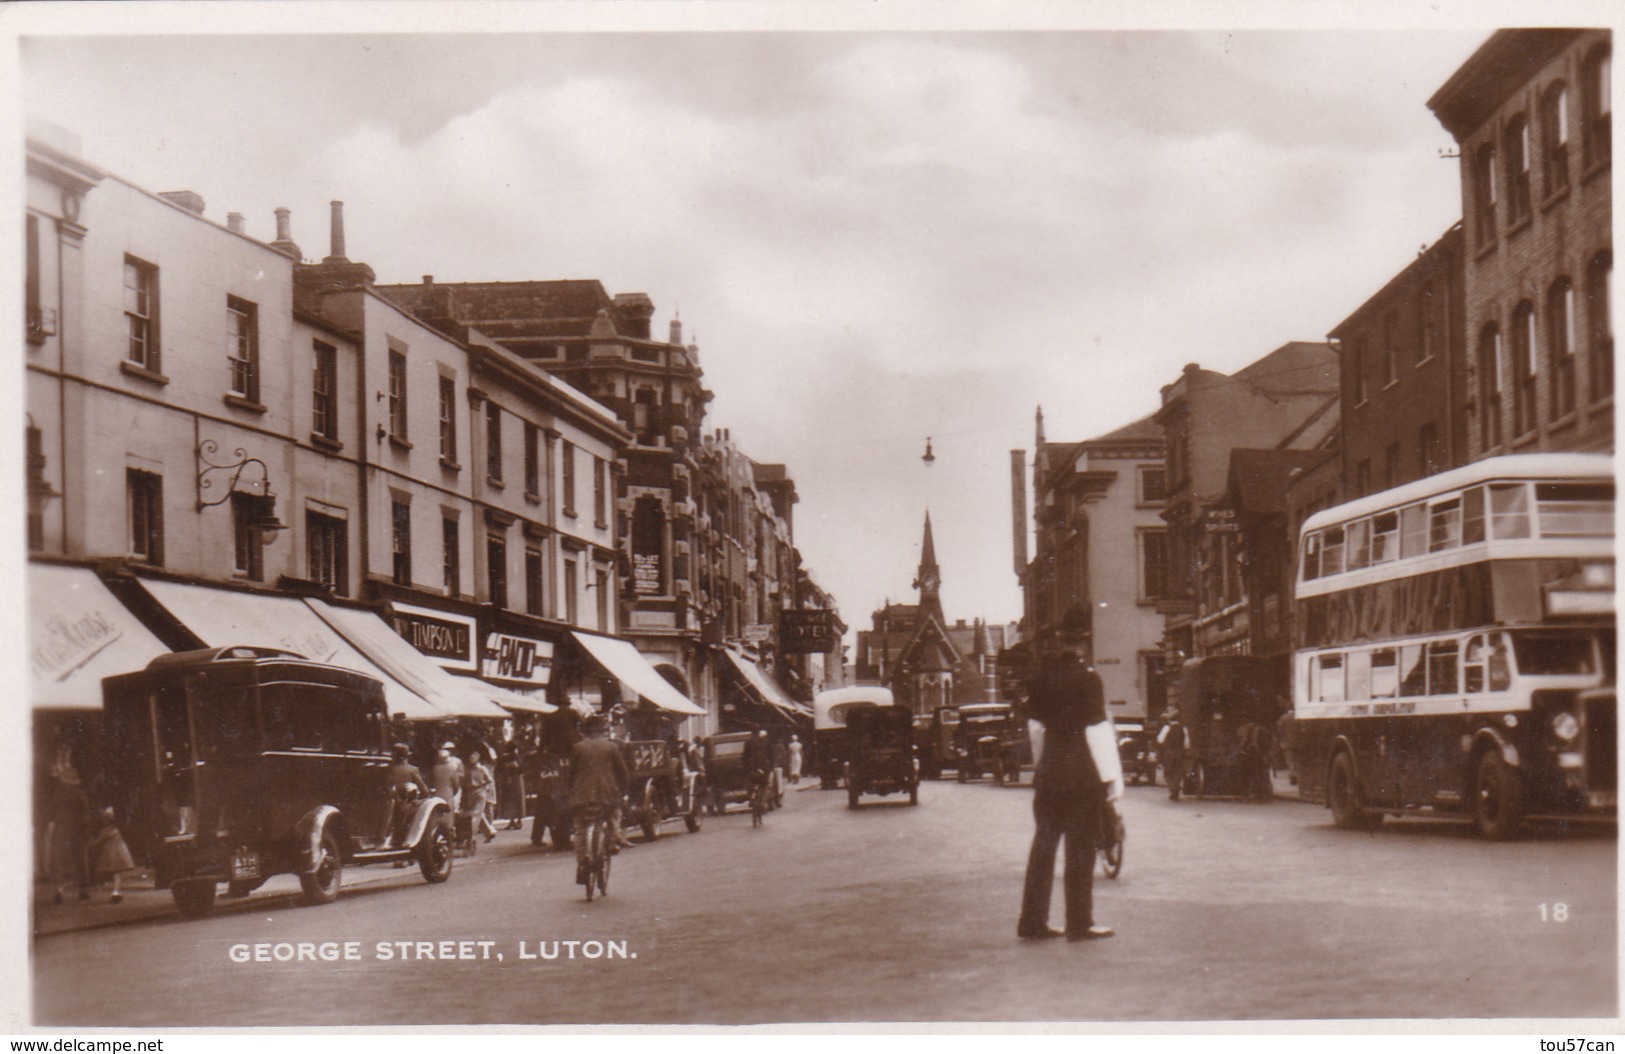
[(245, 864), (1604, 799)]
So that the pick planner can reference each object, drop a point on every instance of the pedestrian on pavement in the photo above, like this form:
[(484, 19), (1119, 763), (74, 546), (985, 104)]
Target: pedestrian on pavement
[(478, 784), (510, 786), (66, 835), (406, 784), (1284, 729), (108, 854), (795, 759), (1078, 773), (1174, 742), (447, 775), (599, 777)]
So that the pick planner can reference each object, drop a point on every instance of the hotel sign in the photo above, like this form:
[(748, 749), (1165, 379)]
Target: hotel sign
[(441, 635), (807, 632)]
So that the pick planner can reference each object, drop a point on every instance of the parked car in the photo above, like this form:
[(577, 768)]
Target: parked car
[(990, 739), (880, 753), (662, 789), (1136, 748), (239, 763), (935, 740), (829, 727)]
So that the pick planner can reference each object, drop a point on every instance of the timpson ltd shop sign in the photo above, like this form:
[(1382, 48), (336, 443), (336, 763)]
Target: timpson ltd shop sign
[(450, 639)]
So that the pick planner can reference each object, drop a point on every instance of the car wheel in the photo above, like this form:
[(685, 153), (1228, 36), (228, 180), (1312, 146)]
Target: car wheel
[(434, 855), (321, 885), (1343, 794), (194, 897), (1497, 797)]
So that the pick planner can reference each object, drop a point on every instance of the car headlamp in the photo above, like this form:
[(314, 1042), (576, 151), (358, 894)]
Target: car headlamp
[(1565, 725)]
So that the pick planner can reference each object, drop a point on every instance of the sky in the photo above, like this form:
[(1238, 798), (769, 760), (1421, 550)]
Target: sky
[(875, 234)]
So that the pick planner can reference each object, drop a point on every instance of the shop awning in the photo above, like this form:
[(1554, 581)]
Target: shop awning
[(627, 665), (78, 634), (765, 687), (456, 696), (221, 618)]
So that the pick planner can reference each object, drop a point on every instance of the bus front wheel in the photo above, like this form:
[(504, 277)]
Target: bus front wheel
[(1343, 792), (1497, 797)]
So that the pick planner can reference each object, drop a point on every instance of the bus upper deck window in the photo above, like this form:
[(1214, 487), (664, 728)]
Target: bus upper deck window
[(1444, 525), (1509, 510), (1472, 516), (1413, 530), (1385, 538), (1359, 544), (1575, 510), (1311, 557), (1331, 552)]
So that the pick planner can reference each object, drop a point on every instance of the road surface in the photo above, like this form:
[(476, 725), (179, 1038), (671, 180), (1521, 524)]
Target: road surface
[(1224, 911)]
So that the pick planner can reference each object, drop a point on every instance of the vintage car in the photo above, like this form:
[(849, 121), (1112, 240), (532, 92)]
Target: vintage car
[(1227, 702), (829, 727), (725, 779), (991, 738), (662, 789), (1136, 748), (241, 763), (880, 752), (934, 740)]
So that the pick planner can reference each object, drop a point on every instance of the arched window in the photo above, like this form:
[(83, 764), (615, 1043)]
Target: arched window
[(1516, 149), (1560, 335), (1484, 194), (1597, 110), (1599, 329), (1525, 360), (1554, 139), (1489, 383)]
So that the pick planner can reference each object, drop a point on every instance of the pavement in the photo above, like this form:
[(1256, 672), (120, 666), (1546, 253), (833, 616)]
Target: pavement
[(141, 902)]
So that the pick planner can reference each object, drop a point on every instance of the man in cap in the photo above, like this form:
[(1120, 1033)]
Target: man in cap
[(447, 775), (599, 777), (1078, 772)]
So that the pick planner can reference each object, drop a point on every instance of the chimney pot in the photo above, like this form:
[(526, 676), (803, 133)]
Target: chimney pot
[(337, 234), (234, 222), (428, 279)]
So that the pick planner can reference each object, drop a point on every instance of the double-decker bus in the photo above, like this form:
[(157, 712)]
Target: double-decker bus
[(1454, 646)]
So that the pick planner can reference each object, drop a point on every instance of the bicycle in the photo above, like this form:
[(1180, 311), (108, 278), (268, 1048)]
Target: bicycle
[(592, 824)]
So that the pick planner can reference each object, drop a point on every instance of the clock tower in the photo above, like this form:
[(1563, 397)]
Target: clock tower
[(929, 577)]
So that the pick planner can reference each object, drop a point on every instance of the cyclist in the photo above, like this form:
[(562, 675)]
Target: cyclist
[(758, 764), (599, 777)]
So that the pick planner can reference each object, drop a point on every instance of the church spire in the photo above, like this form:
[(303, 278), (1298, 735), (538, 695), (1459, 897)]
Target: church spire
[(929, 579)]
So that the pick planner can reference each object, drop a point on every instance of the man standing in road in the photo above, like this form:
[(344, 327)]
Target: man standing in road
[(1173, 741), (1078, 772)]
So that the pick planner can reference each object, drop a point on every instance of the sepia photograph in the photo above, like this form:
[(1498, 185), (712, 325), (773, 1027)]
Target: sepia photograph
[(929, 517)]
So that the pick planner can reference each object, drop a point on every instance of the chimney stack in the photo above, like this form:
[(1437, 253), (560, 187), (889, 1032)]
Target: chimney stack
[(338, 235), (284, 244), (428, 280), (234, 222), (189, 200)]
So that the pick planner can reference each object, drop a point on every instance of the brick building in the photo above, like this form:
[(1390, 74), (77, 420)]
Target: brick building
[(1404, 375), (1532, 115)]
